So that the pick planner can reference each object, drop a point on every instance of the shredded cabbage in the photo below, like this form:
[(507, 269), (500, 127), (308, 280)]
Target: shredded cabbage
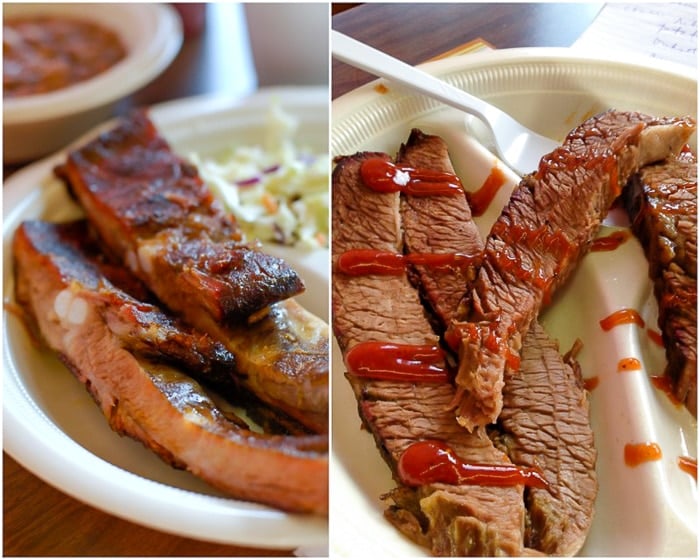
[(277, 191)]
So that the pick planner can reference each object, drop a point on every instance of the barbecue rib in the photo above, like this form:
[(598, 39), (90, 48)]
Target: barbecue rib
[(154, 214), (120, 361), (542, 233), (662, 203)]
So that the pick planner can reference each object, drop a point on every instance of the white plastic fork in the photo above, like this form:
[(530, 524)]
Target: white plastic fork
[(516, 145)]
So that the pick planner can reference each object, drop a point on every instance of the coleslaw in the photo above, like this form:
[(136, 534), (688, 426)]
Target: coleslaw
[(278, 191)]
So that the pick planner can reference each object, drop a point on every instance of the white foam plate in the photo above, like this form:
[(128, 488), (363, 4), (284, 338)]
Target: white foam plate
[(649, 510), (51, 425)]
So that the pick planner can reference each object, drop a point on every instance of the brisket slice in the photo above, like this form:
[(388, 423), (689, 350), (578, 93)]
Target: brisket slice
[(156, 215), (545, 420), (438, 224), (62, 289), (459, 520), (662, 203), (545, 423), (542, 233)]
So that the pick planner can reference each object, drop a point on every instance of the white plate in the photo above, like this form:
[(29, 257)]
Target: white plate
[(642, 511), (51, 425)]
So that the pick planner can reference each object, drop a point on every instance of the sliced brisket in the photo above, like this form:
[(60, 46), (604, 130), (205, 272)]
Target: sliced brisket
[(543, 231), (545, 423), (539, 426), (60, 285), (156, 215), (662, 203), (458, 520), (438, 224)]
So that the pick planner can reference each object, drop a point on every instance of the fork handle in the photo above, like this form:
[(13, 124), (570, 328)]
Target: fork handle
[(375, 62)]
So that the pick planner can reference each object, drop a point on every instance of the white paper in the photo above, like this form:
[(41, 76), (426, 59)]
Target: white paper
[(667, 31)]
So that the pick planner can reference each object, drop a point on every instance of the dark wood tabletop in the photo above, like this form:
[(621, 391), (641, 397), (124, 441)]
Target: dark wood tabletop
[(418, 32)]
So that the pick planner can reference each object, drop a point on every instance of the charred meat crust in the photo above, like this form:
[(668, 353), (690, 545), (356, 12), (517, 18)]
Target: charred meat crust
[(154, 212), (155, 216)]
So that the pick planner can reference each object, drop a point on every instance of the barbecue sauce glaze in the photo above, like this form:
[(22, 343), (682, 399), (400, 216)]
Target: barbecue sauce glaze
[(397, 362), (622, 317), (481, 199), (358, 262), (431, 461), (384, 176)]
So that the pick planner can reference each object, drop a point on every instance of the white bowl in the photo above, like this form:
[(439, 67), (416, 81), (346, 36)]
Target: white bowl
[(36, 125)]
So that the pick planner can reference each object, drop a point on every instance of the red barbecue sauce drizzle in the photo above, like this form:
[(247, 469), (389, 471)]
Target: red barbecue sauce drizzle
[(688, 465), (591, 383), (621, 317), (638, 453), (565, 158), (480, 199), (554, 243), (655, 337), (431, 461), (397, 362), (384, 176), (358, 262), (629, 364), (610, 242), (663, 383)]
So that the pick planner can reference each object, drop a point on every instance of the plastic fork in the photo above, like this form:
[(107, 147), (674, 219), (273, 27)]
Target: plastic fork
[(516, 145)]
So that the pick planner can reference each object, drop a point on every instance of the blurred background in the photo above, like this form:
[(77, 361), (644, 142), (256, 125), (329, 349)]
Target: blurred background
[(227, 49)]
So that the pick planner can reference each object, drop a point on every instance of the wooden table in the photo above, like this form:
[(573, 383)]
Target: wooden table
[(39, 520), (416, 33)]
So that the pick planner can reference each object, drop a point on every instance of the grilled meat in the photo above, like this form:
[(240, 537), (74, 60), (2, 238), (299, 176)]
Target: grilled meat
[(119, 358), (537, 427), (440, 225), (542, 233), (662, 203), (545, 423), (457, 520), (283, 359), (155, 214)]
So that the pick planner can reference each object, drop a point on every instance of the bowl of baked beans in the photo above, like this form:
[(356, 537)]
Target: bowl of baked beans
[(66, 66)]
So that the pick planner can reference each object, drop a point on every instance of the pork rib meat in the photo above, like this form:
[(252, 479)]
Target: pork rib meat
[(155, 214), (73, 303)]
